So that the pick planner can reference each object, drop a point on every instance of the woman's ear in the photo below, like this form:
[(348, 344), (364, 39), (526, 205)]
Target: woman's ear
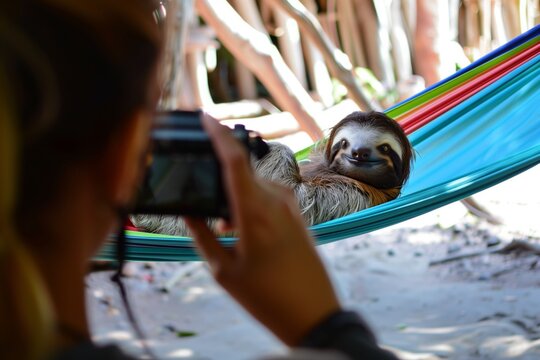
[(125, 157)]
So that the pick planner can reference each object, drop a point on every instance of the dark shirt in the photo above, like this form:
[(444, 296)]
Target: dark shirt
[(346, 332), (91, 351), (343, 331)]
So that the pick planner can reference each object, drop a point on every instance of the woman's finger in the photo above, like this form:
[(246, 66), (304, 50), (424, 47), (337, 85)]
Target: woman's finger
[(223, 226), (234, 159), (206, 241)]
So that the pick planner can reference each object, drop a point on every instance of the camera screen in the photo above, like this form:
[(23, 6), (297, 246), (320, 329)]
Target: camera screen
[(181, 184)]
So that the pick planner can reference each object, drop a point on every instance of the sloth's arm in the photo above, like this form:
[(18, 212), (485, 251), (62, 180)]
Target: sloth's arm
[(161, 224), (279, 165), (319, 201)]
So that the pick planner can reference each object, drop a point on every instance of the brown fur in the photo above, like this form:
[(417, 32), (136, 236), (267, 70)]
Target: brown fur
[(317, 173)]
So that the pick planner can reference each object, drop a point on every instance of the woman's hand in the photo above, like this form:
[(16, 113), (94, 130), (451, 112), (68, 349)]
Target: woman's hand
[(273, 270)]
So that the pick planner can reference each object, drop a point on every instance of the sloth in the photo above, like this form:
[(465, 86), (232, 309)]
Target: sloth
[(364, 162)]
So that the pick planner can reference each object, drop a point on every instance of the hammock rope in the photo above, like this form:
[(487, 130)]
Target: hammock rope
[(470, 131)]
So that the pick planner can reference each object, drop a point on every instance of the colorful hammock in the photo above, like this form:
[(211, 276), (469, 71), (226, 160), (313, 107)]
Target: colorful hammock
[(470, 131)]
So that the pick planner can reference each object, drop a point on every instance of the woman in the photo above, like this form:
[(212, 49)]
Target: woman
[(78, 86)]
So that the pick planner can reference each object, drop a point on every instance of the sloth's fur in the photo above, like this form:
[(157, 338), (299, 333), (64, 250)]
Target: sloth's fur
[(364, 162)]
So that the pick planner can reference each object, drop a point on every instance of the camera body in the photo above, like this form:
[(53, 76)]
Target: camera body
[(184, 176)]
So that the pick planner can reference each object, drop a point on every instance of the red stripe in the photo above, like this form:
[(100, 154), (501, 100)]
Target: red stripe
[(432, 109)]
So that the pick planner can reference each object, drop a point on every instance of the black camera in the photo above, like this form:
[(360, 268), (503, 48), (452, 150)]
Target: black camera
[(184, 176)]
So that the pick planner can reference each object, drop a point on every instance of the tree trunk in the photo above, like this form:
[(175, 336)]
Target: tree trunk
[(338, 63)]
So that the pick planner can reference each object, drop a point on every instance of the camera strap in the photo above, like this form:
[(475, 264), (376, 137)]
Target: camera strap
[(121, 251)]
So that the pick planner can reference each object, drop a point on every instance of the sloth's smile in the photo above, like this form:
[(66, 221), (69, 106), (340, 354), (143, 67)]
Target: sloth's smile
[(362, 162)]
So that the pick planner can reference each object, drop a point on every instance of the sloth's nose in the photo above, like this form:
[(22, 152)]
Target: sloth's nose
[(362, 153)]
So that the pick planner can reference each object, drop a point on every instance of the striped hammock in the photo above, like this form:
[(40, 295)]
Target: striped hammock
[(470, 131)]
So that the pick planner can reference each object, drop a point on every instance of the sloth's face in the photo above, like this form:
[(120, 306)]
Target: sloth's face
[(371, 155)]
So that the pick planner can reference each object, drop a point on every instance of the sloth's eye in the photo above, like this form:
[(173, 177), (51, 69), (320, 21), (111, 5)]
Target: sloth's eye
[(344, 143), (385, 148)]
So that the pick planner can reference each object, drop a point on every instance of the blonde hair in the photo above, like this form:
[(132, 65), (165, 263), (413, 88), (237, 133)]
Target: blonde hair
[(26, 317)]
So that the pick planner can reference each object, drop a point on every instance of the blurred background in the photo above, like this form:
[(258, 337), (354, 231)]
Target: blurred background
[(291, 69)]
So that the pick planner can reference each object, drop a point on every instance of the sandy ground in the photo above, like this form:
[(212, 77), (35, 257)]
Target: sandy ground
[(481, 307)]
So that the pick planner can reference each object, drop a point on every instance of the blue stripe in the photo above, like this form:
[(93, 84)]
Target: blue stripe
[(512, 44)]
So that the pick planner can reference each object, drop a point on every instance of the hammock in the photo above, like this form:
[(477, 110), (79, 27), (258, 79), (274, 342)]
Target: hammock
[(470, 131)]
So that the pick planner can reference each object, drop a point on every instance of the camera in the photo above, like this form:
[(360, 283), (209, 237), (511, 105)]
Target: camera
[(184, 176)]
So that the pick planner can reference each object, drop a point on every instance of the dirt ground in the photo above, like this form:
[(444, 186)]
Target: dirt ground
[(477, 307)]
